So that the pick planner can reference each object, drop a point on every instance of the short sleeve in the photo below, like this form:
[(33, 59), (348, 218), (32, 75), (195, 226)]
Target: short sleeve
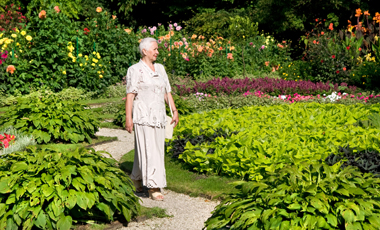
[(132, 81), (167, 87)]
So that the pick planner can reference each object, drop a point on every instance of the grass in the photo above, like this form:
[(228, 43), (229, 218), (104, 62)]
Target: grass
[(63, 147), (183, 181)]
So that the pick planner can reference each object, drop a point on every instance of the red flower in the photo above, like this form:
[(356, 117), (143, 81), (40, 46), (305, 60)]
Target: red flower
[(333, 56), (322, 33), (86, 31), (316, 19), (321, 61), (331, 26), (344, 68), (348, 47), (337, 71), (360, 49)]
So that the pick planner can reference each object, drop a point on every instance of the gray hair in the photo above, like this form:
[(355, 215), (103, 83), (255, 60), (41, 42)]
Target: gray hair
[(145, 44)]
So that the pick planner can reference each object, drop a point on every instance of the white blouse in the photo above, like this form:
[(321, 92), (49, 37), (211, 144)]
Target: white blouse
[(150, 88)]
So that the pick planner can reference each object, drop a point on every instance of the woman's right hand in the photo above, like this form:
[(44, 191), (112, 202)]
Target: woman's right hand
[(129, 125)]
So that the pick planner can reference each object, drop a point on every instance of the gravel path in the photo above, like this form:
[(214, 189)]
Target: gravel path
[(189, 213)]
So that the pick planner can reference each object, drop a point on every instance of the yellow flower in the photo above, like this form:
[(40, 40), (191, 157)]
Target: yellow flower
[(1, 35), (28, 37), (100, 76), (94, 53), (100, 64), (376, 38), (99, 72), (74, 59), (80, 55), (23, 33), (98, 56), (64, 72), (70, 55), (17, 44), (363, 83), (80, 64), (95, 60), (353, 74), (20, 51), (93, 64), (86, 56), (14, 35)]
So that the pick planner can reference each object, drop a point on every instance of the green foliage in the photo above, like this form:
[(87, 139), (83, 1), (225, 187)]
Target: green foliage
[(272, 136), (120, 115), (367, 161), (68, 94), (61, 54), (49, 119), (367, 75), (21, 141), (307, 196), (48, 189), (242, 28)]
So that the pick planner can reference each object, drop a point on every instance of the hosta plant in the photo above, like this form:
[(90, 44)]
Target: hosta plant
[(48, 189), (314, 196), (49, 119)]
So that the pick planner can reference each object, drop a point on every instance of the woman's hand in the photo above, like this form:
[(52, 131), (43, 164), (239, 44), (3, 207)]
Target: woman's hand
[(129, 125), (175, 119)]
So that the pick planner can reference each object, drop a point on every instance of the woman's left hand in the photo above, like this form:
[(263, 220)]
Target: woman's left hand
[(175, 119)]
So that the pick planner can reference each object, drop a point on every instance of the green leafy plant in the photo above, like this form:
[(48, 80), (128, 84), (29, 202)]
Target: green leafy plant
[(48, 189), (49, 119), (314, 196), (272, 136)]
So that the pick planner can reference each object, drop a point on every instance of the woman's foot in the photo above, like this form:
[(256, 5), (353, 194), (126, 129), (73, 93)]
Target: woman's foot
[(155, 194), (138, 185)]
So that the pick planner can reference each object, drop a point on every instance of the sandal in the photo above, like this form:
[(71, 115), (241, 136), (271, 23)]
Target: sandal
[(138, 185), (155, 194)]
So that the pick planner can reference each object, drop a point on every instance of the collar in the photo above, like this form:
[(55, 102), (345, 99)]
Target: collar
[(150, 71)]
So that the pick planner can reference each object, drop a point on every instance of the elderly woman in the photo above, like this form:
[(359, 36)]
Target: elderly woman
[(147, 90)]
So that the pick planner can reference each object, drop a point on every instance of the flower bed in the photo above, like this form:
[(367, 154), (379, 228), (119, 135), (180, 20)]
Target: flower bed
[(271, 136), (270, 86)]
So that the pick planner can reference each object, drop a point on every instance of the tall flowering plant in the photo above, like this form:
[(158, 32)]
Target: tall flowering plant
[(6, 140)]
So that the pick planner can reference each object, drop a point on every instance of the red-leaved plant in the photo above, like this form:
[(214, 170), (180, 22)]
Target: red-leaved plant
[(12, 18)]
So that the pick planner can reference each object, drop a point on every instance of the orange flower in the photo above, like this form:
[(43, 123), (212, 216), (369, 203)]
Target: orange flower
[(331, 26), (56, 8), (229, 56), (42, 14), (181, 43), (366, 13), (322, 33), (358, 12), (232, 48), (200, 49), (315, 42), (349, 22), (128, 30), (99, 9), (113, 16), (171, 33), (167, 37), (209, 54), (266, 63), (211, 51), (193, 36), (220, 48), (344, 68), (11, 69)]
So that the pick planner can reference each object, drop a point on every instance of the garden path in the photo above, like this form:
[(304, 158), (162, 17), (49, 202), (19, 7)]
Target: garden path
[(188, 213)]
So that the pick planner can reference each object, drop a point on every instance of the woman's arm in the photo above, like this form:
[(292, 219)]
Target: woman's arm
[(170, 99), (128, 112)]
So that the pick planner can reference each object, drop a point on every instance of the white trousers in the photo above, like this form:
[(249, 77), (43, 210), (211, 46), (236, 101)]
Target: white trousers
[(149, 163)]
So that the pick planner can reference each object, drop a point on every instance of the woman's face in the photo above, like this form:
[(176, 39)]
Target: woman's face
[(152, 53)]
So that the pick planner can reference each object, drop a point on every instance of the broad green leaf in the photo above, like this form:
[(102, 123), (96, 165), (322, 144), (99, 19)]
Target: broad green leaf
[(19, 166), (331, 219), (64, 222)]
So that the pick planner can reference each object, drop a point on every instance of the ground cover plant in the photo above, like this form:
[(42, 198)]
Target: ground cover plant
[(270, 137), (48, 189), (271, 86), (49, 119), (307, 196)]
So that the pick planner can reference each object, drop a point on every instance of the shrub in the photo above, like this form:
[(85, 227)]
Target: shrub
[(12, 19), (367, 75), (48, 189), (20, 143), (313, 196), (49, 119)]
